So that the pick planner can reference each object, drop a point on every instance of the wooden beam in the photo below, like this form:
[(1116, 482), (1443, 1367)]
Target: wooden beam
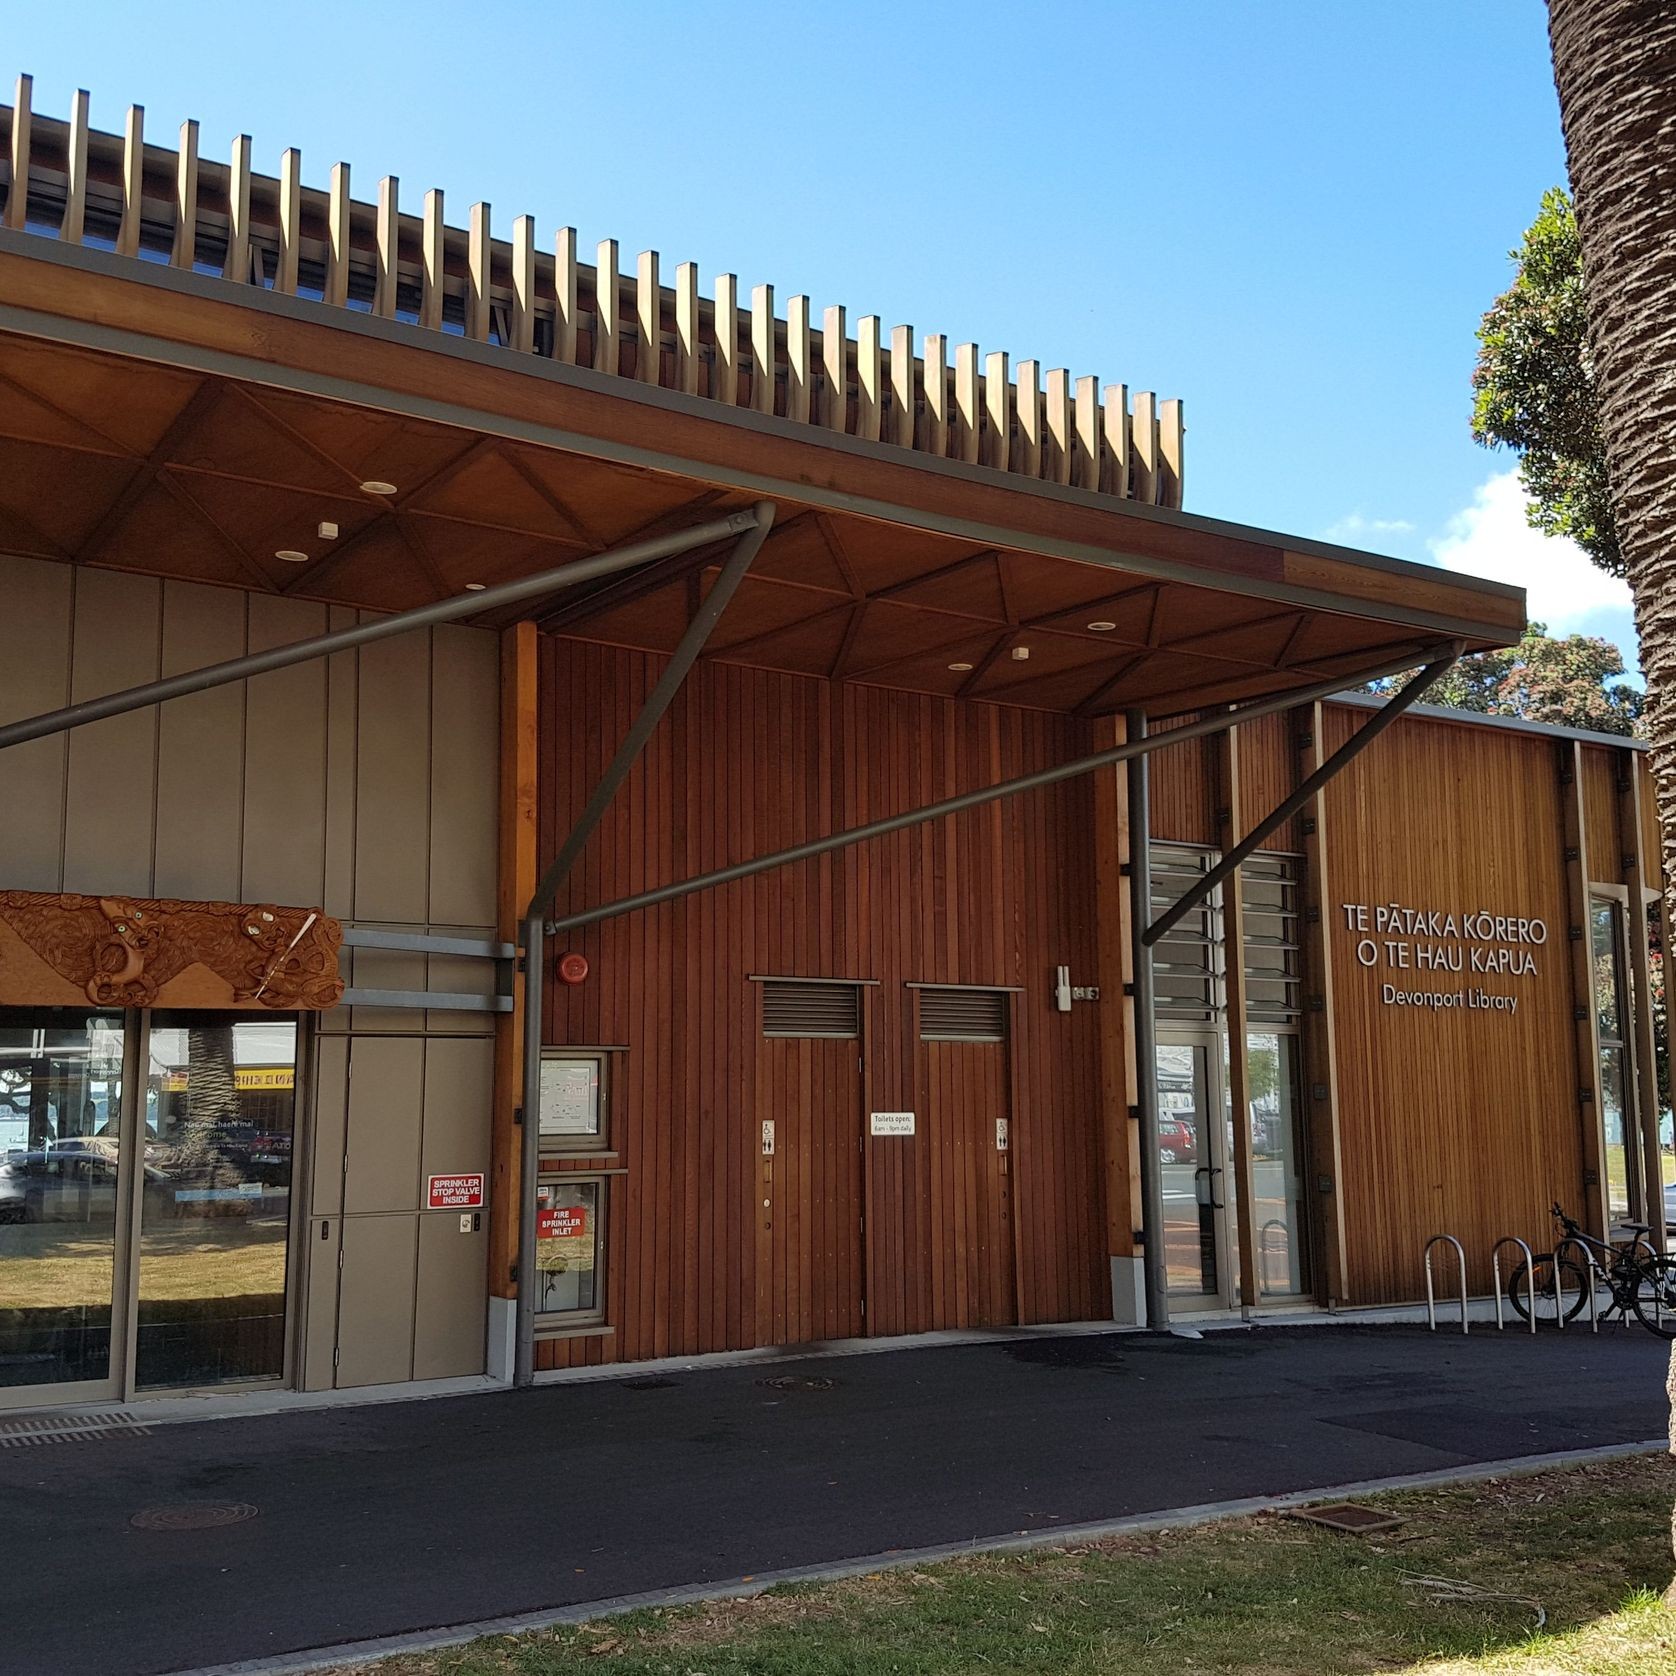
[(936, 440), (1091, 434), (904, 386), (1028, 387), (968, 426), (184, 252), (433, 256), (564, 296), (648, 319), (724, 376), (523, 284), (869, 378), (1586, 1099), (339, 210), (608, 302), (687, 357), (236, 266), (17, 194), (75, 191), (800, 368), (1143, 439), (387, 245), (835, 369), (133, 182), (997, 443), (1172, 434), (1637, 865), (290, 221), (762, 348), (1115, 472), (480, 256), (1061, 430)]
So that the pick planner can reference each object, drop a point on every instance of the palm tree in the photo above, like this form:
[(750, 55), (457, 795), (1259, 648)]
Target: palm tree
[(1615, 69)]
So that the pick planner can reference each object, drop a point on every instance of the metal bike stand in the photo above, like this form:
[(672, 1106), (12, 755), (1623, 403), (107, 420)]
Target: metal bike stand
[(1461, 1270), (1590, 1269), (1645, 1243), (1530, 1276), (1263, 1246)]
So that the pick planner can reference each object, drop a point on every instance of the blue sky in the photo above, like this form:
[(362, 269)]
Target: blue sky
[(1290, 213)]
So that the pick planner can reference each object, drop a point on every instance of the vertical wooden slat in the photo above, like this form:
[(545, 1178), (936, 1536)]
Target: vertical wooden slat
[(564, 295), (800, 371), (133, 182), (904, 386), (185, 250), (1172, 433), (762, 348), (1116, 474), (1586, 1097), (607, 307), (338, 210), (1633, 829), (433, 257), (480, 256), (1230, 829), (523, 283), (724, 381), (648, 318), (75, 195), (1143, 441), (1028, 384), (1091, 434), (968, 427), (387, 238), (835, 369), (17, 194), (937, 395), (869, 378), (1057, 464), (290, 220), (687, 358), (236, 264), (998, 405)]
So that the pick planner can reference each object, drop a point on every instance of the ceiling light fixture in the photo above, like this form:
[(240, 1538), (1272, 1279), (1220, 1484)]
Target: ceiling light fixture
[(960, 666), (476, 587), (291, 555), (1102, 626), (1020, 653), (377, 486)]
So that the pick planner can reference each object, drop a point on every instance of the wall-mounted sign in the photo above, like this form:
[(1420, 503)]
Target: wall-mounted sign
[(768, 1137), (891, 1123), (1000, 1134), (463, 1192), (570, 1097), (1417, 946)]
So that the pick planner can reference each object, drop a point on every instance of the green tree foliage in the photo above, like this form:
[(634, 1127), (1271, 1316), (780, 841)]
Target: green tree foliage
[(1563, 682), (1532, 389)]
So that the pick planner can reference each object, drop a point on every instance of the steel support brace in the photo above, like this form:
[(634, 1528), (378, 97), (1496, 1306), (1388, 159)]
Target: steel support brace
[(652, 712), (1282, 812)]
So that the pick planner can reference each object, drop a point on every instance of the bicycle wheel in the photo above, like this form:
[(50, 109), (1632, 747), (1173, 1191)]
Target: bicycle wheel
[(1573, 1293), (1655, 1296)]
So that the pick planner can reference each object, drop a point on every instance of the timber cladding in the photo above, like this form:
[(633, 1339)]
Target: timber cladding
[(1455, 1116), (713, 1244)]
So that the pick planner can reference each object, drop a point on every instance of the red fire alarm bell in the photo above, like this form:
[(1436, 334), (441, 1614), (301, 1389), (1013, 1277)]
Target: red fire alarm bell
[(573, 968)]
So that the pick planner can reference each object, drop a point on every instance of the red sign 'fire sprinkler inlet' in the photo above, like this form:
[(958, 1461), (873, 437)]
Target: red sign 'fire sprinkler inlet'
[(454, 1192)]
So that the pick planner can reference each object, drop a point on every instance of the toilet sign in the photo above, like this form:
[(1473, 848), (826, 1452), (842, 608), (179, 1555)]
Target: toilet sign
[(892, 1123), (454, 1192)]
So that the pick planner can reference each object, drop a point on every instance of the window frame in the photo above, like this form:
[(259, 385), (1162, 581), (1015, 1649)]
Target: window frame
[(594, 1143), (558, 1322)]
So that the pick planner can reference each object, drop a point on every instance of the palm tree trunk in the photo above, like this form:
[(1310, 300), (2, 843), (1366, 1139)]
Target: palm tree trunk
[(1615, 69)]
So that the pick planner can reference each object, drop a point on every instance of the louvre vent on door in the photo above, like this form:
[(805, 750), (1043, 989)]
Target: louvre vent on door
[(796, 1007), (962, 1015)]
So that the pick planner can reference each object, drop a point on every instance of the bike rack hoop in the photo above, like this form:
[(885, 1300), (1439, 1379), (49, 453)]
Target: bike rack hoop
[(1591, 1271), (1460, 1269), (1530, 1276)]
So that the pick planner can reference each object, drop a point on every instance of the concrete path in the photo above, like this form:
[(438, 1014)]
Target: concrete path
[(377, 1520)]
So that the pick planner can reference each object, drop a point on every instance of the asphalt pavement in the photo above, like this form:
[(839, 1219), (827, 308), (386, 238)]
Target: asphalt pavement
[(381, 1519)]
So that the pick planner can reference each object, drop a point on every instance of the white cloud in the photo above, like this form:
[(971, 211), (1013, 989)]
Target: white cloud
[(1355, 530), (1490, 538)]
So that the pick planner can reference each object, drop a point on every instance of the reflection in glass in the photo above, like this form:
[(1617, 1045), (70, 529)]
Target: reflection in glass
[(1605, 946), (567, 1247), (1617, 1131), (1277, 1174), (216, 1216), (60, 1181), (1189, 1180)]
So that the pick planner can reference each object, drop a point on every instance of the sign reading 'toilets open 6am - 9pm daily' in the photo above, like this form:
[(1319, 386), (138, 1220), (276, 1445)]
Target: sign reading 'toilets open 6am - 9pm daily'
[(891, 1123), (1425, 949)]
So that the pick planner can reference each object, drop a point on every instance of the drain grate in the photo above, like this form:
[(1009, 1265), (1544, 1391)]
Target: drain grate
[(193, 1516), (29, 1430), (790, 1382), (1347, 1516)]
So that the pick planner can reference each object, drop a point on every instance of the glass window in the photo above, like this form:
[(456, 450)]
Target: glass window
[(570, 1247), (573, 1104), (1616, 1089), (1187, 964), (1271, 1068)]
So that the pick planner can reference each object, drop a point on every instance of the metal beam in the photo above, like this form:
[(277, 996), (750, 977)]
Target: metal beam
[(1283, 811), (988, 794), (442, 611), (529, 1115)]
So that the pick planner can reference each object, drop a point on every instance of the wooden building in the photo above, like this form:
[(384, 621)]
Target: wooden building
[(371, 1010)]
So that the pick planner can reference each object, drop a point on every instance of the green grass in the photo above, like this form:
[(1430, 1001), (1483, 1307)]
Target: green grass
[(1256, 1597)]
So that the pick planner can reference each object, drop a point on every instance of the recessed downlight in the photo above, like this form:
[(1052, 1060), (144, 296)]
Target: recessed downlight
[(1102, 626), (291, 555), (960, 666), (476, 587), (377, 486)]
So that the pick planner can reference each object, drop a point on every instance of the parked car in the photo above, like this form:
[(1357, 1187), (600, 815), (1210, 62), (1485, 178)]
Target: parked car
[(70, 1185), (1670, 1207), (1177, 1139)]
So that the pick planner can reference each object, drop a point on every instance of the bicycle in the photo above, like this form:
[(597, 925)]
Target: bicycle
[(1639, 1279)]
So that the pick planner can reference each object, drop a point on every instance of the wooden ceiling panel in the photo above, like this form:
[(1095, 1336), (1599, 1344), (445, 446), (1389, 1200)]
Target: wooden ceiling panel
[(1048, 588), (1050, 655), (611, 502), (1193, 611), (892, 636), (370, 447), (654, 622), (125, 405), (262, 517), (159, 533), (968, 587), (236, 438), (382, 572), (489, 489), (799, 551), (60, 495), (763, 607), (809, 646), (881, 555)]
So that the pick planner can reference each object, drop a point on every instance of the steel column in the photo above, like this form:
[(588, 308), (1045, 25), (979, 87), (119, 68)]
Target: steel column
[(1283, 811), (529, 1140), (323, 645), (1154, 1278), (984, 794)]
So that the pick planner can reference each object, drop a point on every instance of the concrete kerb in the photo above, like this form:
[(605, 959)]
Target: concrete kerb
[(355, 1655)]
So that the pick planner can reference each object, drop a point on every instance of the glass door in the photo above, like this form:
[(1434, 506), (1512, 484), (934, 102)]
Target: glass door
[(63, 1204), (1194, 1149)]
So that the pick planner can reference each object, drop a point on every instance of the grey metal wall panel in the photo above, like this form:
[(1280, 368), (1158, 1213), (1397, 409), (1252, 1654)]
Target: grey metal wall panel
[(386, 1107), (285, 781), (342, 681), (452, 1297), (331, 1118), (375, 1300), (34, 676), (109, 798), (319, 1335), (392, 840), (459, 1079), (200, 749), (465, 684)]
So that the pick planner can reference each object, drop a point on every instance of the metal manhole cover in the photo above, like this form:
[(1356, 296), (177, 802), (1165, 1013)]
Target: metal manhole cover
[(1347, 1516), (790, 1382), (193, 1516)]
